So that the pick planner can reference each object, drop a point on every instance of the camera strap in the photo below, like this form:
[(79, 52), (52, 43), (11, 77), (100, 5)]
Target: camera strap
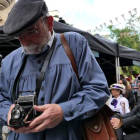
[(17, 78), (42, 73), (43, 70)]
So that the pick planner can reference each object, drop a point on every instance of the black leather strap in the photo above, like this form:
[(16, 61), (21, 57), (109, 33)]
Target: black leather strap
[(17, 78), (69, 54), (41, 76), (43, 70)]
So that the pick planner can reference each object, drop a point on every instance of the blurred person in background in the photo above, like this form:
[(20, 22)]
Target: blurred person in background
[(122, 76), (128, 93), (118, 104), (136, 90)]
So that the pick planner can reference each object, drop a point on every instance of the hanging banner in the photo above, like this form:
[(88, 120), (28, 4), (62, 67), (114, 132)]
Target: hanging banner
[(97, 28), (135, 9), (101, 26), (105, 24), (89, 31), (117, 19), (130, 13), (123, 16), (111, 21)]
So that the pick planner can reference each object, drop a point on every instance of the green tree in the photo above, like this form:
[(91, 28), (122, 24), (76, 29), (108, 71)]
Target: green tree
[(129, 37)]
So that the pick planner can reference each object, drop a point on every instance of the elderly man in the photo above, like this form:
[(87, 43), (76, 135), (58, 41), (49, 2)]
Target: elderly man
[(62, 100)]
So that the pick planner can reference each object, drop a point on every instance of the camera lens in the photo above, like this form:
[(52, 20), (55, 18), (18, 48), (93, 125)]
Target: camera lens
[(16, 114)]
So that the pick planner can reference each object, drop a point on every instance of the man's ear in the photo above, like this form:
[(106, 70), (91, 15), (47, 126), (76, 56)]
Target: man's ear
[(50, 23)]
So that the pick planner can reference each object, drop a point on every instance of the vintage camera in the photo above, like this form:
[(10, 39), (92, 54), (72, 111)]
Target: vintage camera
[(23, 112)]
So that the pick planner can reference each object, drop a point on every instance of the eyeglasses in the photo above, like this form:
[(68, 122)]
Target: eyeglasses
[(31, 32)]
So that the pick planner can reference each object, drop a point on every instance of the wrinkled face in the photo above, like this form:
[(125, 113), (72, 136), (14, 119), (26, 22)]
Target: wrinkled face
[(36, 37), (115, 92)]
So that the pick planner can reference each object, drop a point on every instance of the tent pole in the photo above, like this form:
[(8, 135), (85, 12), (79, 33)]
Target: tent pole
[(118, 69), (116, 64)]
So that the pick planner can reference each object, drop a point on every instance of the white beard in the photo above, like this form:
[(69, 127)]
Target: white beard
[(37, 48), (33, 49)]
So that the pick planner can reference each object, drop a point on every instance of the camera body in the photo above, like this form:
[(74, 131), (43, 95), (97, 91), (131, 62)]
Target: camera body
[(23, 112)]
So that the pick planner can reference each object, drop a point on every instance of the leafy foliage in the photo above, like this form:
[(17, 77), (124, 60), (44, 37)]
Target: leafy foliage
[(129, 37)]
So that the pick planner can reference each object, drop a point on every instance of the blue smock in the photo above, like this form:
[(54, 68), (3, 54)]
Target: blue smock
[(60, 85)]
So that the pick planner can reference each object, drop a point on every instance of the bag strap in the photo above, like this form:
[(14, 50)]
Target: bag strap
[(69, 54), (17, 79)]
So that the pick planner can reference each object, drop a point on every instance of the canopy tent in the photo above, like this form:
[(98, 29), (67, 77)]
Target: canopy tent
[(125, 56), (7, 44), (121, 51), (109, 52)]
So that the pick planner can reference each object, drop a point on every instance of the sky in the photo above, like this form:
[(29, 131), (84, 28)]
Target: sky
[(89, 14)]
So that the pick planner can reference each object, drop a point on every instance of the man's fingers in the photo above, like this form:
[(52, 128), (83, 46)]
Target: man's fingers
[(41, 108), (38, 128), (52, 115), (35, 122), (18, 130)]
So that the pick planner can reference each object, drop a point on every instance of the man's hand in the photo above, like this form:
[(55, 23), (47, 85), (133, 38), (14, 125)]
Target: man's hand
[(115, 122), (51, 116)]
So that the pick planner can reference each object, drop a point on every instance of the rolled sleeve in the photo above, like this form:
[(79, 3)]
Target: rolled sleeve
[(72, 111)]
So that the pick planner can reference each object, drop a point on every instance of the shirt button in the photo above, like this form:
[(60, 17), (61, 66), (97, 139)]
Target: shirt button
[(42, 99), (39, 61), (42, 88), (71, 114)]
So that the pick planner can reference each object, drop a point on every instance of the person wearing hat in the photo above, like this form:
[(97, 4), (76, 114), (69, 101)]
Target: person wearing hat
[(62, 100), (118, 104)]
